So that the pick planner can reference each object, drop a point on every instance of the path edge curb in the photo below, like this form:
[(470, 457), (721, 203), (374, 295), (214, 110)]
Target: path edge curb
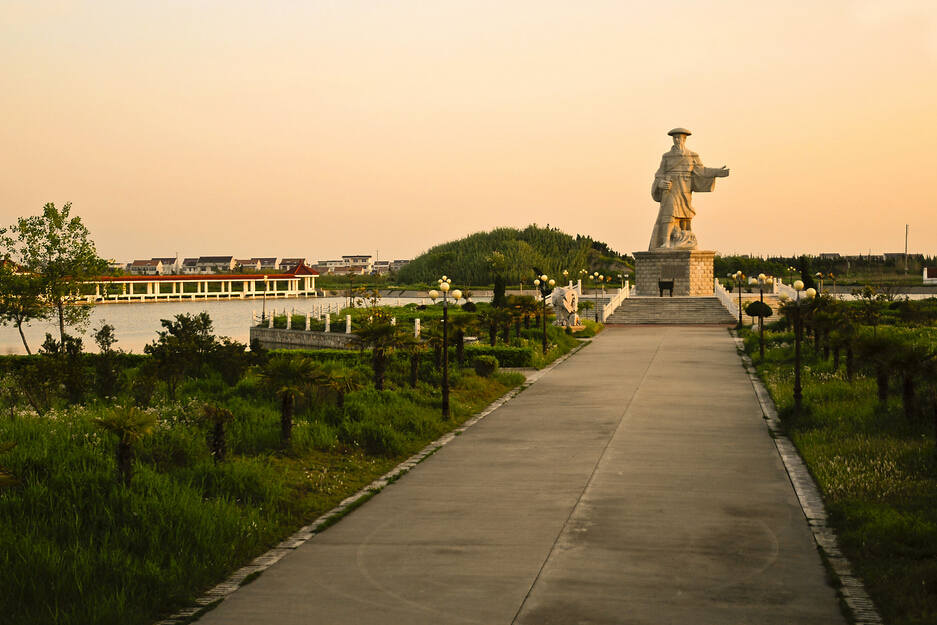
[(225, 589), (851, 591)]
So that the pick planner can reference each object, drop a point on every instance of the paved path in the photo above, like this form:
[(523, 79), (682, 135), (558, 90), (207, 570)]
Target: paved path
[(634, 483)]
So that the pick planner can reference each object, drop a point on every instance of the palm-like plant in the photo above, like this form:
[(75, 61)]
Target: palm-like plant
[(488, 318), (382, 338), (216, 418), (524, 306), (415, 350), (289, 377), (341, 382), (906, 364), (129, 425), (7, 480), (878, 353), (432, 338), (460, 324)]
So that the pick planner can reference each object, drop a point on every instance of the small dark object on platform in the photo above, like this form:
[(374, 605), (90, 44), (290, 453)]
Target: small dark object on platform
[(664, 285)]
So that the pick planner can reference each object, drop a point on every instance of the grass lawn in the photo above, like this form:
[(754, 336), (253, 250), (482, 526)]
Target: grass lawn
[(77, 548), (877, 471)]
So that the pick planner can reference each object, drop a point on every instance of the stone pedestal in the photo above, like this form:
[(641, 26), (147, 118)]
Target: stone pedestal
[(690, 270)]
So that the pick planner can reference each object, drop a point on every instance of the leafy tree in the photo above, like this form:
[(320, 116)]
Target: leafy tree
[(806, 273), (57, 249), (757, 308), (182, 349), (106, 373), (20, 299), (67, 365), (230, 359), (871, 304), (289, 377), (129, 425)]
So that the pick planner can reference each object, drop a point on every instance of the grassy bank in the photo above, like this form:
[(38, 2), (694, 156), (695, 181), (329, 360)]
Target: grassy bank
[(874, 461), (75, 547)]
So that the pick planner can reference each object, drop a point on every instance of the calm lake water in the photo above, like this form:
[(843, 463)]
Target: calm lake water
[(137, 324)]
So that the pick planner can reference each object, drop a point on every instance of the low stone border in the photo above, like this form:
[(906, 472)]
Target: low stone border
[(265, 561), (852, 590)]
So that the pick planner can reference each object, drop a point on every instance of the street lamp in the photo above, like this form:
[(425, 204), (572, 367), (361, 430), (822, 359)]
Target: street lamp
[(596, 278), (790, 275), (739, 278), (809, 294), (263, 312), (545, 285), (762, 281), (444, 286)]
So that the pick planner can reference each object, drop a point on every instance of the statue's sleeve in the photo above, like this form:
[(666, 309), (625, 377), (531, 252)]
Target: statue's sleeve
[(704, 178), (655, 190)]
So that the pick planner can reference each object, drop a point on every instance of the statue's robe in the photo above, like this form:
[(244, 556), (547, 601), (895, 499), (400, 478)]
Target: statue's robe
[(686, 174)]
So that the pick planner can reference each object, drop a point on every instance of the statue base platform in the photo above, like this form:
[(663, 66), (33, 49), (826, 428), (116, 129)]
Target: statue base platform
[(680, 272)]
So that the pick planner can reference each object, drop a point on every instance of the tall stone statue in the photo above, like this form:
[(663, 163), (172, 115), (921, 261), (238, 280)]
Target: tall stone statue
[(680, 174)]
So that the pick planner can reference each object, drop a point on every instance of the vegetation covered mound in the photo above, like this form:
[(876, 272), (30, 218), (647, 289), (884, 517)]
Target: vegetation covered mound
[(511, 254)]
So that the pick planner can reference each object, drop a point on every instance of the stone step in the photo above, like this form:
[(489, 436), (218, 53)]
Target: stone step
[(671, 310)]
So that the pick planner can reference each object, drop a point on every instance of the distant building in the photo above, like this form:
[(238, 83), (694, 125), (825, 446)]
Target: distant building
[(830, 256), (900, 256), (146, 267), (360, 264), (214, 264), (190, 265), (287, 264), (930, 275), (266, 263), (170, 265), (247, 264)]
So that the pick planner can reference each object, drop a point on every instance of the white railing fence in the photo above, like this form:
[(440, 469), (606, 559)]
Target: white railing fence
[(725, 297), (615, 302)]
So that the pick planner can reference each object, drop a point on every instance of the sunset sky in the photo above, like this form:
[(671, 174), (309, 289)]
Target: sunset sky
[(385, 127)]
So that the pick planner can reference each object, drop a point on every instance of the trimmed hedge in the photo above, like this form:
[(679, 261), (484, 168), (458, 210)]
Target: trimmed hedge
[(506, 356)]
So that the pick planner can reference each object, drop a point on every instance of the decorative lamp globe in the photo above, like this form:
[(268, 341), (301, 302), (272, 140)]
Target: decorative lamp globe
[(798, 285), (444, 286), (782, 296), (433, 294), (536, 281), (457, 294), (551, 282), (810, 293)]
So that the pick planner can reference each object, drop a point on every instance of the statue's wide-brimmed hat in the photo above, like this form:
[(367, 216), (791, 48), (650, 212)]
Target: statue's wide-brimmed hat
[(679, 131)]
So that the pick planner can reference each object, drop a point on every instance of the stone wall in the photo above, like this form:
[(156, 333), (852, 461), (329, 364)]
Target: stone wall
[(690, 270), (273, 338)]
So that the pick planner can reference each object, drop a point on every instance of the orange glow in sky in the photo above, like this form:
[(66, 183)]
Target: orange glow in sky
[(326, 128)]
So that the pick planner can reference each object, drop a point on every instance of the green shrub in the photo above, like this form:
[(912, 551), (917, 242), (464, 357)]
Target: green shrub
[(485, 365), (506, 356)]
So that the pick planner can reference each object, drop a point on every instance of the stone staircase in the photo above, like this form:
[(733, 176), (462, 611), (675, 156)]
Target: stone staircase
[(672, 311)]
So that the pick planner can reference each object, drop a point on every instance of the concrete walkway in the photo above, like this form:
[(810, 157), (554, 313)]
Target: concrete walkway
[(634, 483)]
